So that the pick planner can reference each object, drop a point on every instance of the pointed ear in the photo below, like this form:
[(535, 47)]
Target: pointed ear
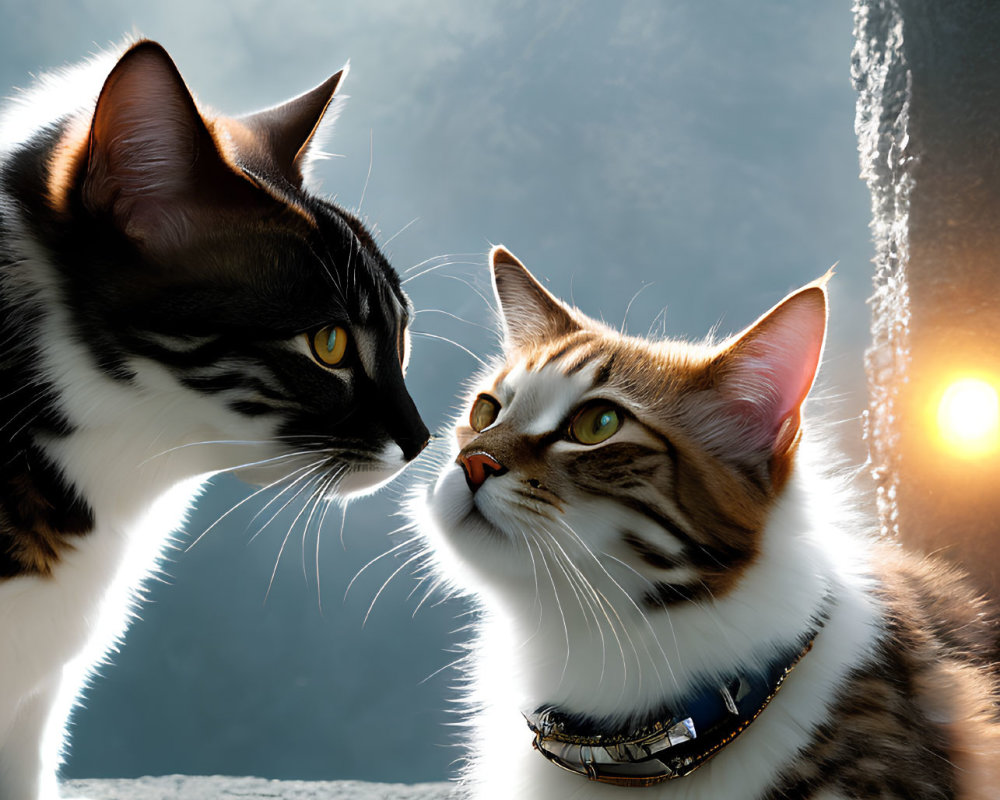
[(287, 131), (152, 162), (768, 371), (529, 311)]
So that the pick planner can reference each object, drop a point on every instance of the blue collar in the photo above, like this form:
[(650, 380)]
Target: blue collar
[(674, 741)]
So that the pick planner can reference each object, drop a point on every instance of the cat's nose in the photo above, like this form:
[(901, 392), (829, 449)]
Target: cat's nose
[(414, 443), (478, 467)]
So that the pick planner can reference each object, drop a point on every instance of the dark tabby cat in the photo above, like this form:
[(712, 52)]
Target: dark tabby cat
[(173, 302), (673, 594)]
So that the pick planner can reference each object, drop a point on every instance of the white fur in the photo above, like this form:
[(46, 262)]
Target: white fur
[(540, 641), (543, 398)]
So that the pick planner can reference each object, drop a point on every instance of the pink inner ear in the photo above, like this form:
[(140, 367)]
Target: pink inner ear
[(530, 313), (772, 367)]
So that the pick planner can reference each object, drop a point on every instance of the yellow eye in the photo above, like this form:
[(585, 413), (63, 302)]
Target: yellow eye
[(595, 423), (329, 344), (484, 413)]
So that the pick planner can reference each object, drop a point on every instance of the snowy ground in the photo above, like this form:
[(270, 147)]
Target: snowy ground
[(181, 787)]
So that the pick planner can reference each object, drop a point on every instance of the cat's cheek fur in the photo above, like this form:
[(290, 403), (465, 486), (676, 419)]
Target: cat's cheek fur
[(463, 538)]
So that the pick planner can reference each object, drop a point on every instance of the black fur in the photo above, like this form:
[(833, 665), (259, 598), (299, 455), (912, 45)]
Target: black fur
[(217, 310)]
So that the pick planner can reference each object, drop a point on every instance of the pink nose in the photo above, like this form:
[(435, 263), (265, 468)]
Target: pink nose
[(478, 467)]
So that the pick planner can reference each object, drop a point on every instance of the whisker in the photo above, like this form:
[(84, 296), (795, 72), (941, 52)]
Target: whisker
[(534, 573), (604, 603), (312, 469), (378, 594), (418, 265), (242, 502), (435, 585), (379, 557), (288, 533), (437, 267), (388, 241), (455, 317), (228, 441), (628, 597), (482, 297), (573, 587), (317, 499), (670, 623), (438, 671), (555, 594), (629, 306), (452, 342), (371, 160)]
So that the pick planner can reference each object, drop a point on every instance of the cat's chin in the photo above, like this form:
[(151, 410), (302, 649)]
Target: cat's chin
[(363, 482), (368, 479), (461, 519)]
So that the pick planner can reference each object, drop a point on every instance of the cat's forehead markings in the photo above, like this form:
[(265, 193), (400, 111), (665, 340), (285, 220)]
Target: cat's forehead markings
[(543, 398), (572, 353)]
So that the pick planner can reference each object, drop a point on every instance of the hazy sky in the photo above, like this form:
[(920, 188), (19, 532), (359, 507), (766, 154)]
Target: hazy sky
[(702, 152)]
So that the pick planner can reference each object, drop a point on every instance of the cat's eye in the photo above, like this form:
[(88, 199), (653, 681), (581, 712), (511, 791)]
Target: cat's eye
[(484, 413), (595, 423), (329, 345)]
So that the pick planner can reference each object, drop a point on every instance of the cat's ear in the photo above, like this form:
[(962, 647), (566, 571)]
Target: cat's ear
[(529, 311), (766, 373), (288, 131), (151, 164)]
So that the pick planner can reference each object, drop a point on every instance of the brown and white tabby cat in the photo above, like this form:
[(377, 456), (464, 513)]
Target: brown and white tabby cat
[(673, 594), (174, 302)]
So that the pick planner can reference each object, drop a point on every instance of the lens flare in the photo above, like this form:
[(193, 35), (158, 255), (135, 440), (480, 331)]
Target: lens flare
[(968, 418)]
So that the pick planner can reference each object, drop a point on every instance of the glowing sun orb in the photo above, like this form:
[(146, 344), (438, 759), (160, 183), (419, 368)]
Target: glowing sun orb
[(968, 418)]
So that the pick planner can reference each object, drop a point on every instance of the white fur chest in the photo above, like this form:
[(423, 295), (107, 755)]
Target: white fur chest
[(506, 766), (74, 615)]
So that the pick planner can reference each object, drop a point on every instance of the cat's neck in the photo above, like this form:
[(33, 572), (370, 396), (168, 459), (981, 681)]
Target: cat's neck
[(805, 566), (619, 664)]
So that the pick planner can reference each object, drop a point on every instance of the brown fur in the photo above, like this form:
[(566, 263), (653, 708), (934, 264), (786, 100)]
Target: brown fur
[(722, 505), (39, 517), (920, 721)]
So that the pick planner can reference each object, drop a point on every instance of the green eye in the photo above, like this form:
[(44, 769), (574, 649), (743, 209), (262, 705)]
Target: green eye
[(595, 423), (329, 344), (484, 413)]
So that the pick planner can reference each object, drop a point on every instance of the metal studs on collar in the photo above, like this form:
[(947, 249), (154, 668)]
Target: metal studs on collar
[(663, 750)]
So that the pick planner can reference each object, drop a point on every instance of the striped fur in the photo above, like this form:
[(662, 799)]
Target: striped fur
[(700, 539), (162, 272)]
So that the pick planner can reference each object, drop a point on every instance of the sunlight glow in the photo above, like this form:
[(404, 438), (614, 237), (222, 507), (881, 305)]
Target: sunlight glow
[(968, 418)]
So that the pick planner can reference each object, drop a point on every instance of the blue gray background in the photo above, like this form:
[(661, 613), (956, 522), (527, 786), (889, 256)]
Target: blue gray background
[(702, 152)]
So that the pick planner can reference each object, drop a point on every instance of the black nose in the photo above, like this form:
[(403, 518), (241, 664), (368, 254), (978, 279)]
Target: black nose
[(413, 443), (398, 413)]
